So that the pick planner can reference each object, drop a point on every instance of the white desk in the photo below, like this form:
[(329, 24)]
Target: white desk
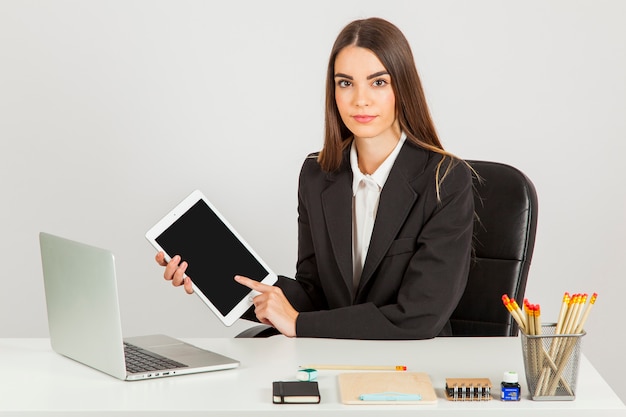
[(37, 381)]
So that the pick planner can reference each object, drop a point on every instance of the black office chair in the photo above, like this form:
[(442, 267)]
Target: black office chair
[(504, 239)]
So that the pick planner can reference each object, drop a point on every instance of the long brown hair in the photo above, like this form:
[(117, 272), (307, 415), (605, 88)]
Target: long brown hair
[(391, 47)]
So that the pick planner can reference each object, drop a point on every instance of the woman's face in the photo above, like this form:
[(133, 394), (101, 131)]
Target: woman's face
[(364, 95)]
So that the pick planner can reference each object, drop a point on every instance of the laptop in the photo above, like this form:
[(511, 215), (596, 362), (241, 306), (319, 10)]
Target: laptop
[(85, 325)]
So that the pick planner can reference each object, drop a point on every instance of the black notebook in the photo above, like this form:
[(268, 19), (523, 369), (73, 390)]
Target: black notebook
[(295, 392)]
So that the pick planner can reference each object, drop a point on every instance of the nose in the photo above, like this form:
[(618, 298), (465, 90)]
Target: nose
[(361, 98)]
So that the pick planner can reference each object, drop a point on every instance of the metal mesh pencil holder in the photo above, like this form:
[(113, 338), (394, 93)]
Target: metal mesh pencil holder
[(551, 363)]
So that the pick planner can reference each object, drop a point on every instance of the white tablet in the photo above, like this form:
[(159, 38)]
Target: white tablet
[(215, 253)]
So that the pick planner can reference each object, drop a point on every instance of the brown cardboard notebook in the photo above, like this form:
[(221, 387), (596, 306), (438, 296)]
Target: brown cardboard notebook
[(353, 385)]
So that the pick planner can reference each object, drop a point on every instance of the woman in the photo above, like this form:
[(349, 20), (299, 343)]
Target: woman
[(385, 215)]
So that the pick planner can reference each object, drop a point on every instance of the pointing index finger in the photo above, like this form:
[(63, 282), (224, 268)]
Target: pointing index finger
[(252, 284)]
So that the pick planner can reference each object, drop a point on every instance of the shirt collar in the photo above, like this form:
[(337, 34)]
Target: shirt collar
[(381, 174)]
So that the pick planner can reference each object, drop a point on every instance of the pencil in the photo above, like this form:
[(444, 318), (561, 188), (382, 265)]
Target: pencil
[(519, 312), (516, 316), (530, 319), (564, 305), (581, 325), (528, 313), (356, 367), (537, 314)]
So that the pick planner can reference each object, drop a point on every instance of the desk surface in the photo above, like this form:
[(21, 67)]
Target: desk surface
[(37, 381)]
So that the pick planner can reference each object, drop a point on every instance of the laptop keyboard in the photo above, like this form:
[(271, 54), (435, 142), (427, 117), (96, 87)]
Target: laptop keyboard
[(140, 360)]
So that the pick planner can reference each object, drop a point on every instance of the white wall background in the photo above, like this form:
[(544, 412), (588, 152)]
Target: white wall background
[(113, 111)]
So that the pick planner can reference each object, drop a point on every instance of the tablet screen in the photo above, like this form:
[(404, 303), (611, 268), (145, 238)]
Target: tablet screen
[(214, 254)]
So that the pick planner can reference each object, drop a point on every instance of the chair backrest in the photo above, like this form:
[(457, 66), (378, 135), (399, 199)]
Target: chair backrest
[(504, 239)]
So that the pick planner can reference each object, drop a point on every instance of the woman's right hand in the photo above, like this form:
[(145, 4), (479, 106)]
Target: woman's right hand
[(175, 271)]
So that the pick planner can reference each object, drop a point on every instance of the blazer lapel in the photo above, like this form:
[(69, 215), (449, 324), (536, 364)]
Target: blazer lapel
[(396, 200), (337, 206)]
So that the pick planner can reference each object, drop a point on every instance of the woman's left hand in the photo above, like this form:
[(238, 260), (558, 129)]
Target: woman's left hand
[(271, 306)]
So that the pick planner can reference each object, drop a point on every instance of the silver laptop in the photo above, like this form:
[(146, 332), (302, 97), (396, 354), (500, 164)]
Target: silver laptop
[(84, 319)]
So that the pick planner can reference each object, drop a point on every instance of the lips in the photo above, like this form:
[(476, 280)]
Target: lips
[(362, 118)]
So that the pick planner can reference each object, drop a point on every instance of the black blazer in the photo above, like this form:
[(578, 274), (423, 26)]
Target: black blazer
[(418, 259)]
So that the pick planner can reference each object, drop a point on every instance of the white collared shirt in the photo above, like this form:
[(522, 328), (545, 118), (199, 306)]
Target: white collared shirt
[(365, 197)]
